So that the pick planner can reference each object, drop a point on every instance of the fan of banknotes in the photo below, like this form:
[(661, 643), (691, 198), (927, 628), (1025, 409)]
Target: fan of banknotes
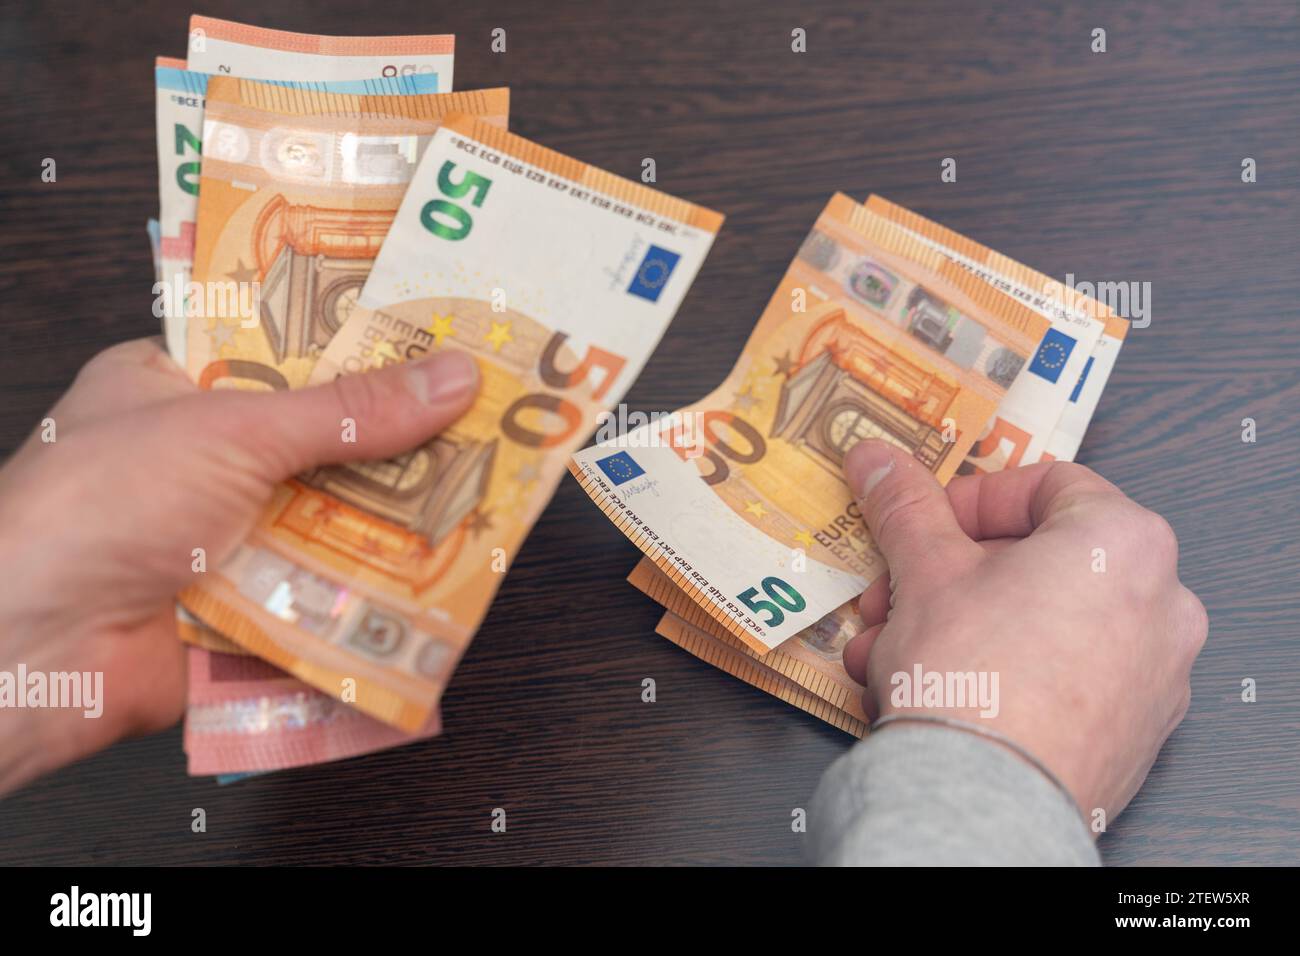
[(328, 206), (888, 326)]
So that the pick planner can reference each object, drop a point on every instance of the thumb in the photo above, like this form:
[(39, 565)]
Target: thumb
[(366, 416), (907, 513)]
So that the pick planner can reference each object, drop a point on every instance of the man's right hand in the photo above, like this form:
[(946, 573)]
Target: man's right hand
[(1048, 576)]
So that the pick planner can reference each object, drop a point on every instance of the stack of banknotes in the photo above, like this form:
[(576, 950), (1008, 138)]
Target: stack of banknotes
[(328, 205), (886, 325)]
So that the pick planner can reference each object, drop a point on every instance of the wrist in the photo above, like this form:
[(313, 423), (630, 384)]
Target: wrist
[(969, 726), (1027, 721)]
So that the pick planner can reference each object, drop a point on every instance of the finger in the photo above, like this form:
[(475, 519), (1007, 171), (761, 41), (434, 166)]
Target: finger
[(1010, 504), (858, 650), (907, 513), (873, 606), (356, 417), (869, 707), (994, 545)]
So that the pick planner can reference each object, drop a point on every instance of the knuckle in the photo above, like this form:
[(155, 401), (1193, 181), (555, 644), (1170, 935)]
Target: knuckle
[(1196, 620), (113, 355), (1158, 536), (1146, 535), (1066, 487), (98, 361), (130, 350), (1067, 472)]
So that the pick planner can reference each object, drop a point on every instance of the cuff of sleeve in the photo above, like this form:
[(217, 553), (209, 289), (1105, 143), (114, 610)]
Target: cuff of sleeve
[(937, 796)]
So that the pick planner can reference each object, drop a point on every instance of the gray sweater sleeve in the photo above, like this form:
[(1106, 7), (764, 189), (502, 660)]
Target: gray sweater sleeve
[(918, 795)]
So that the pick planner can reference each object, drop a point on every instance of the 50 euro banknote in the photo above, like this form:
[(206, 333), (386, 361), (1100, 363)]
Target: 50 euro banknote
[(559, 279), (180, 95), (257, 53), (812, 660), (740, 498), (298, 189), (1068, 369), (1073, 424), (725, 655)]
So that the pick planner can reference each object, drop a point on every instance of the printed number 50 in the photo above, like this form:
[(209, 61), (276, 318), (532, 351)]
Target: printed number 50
[(461, 222), (782, 594)]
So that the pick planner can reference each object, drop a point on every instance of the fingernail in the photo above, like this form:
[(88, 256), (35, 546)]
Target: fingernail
[(867, 464), (443, 377)]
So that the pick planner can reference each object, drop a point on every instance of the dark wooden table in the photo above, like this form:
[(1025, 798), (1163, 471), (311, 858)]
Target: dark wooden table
[(1119, 166)]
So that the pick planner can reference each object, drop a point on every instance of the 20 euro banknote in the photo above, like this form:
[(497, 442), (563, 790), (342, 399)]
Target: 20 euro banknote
[(238, 49)]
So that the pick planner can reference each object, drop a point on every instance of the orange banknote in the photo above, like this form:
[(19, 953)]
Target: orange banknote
[(812, 659), (740, 498), (297, 191), (1028, 424), (194, 632), (726, 656), (559, 279), (1056, 377)]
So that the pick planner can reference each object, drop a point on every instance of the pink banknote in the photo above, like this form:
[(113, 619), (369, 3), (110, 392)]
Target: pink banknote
[(245, 716)]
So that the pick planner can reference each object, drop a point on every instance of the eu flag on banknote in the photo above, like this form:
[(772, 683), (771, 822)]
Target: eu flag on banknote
[(652, 275), (1051, 355), (619, 468)]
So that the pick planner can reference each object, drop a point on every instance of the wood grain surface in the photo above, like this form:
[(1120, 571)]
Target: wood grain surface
[(1116, 166)]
